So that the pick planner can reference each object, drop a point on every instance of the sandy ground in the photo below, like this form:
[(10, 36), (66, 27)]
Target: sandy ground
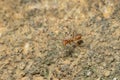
[(32, 34)]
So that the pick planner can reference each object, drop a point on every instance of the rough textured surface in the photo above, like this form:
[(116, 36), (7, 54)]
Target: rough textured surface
[(31, 34)]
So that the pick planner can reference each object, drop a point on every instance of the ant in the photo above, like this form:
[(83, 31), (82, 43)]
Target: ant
[(73, 39)]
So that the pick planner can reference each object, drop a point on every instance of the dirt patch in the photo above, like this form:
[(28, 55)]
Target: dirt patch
[(32, 34)]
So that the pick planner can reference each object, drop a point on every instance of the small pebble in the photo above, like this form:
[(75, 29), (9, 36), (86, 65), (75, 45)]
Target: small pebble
[(106, 73)]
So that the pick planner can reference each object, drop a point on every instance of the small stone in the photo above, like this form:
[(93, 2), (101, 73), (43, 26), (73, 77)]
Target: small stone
[(26, 48), (22, 65), (114, 78), (106, 73), (89, 73)]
